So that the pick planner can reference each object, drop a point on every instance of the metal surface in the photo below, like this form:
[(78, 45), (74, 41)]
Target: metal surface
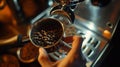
[(97, 25), (98, 19)]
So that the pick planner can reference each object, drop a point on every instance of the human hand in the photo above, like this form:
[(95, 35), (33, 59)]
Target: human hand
[(73, 59)]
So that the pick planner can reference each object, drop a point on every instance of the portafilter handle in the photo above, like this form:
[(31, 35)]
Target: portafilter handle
[(13, 42)]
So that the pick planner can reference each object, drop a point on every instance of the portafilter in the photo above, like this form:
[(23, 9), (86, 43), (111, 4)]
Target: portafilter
[(46, 33)]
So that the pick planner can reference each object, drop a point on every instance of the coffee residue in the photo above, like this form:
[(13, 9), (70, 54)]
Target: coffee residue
[(29, 51)]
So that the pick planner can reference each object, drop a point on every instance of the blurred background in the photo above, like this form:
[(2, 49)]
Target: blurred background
[(15, 17)]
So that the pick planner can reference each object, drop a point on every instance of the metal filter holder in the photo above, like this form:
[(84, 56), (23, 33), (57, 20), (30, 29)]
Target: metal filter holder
[(46, 33)]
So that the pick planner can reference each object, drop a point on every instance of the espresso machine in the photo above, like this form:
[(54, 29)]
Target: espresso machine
[(95, 20)]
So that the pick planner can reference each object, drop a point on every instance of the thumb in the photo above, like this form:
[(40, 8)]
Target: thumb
[(43, 58)]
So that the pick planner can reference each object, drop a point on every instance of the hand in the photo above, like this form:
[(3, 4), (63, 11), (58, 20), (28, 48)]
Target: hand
[(73, 59)]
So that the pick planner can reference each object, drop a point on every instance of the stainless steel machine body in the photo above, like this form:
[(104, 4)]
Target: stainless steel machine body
[(97, 24)]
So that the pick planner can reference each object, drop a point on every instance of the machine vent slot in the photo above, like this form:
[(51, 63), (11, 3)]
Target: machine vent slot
[(89, 41), (96, 44), (89, 53)]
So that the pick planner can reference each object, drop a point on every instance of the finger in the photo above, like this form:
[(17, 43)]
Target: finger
[(77, 43), (75, 52), (43, 58), (74, 57)]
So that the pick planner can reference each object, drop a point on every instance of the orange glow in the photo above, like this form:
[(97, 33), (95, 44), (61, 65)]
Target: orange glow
[(107, 34)]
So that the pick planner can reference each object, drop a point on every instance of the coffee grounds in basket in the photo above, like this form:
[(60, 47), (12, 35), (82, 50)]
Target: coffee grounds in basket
[(47, 34), (29, 51)]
